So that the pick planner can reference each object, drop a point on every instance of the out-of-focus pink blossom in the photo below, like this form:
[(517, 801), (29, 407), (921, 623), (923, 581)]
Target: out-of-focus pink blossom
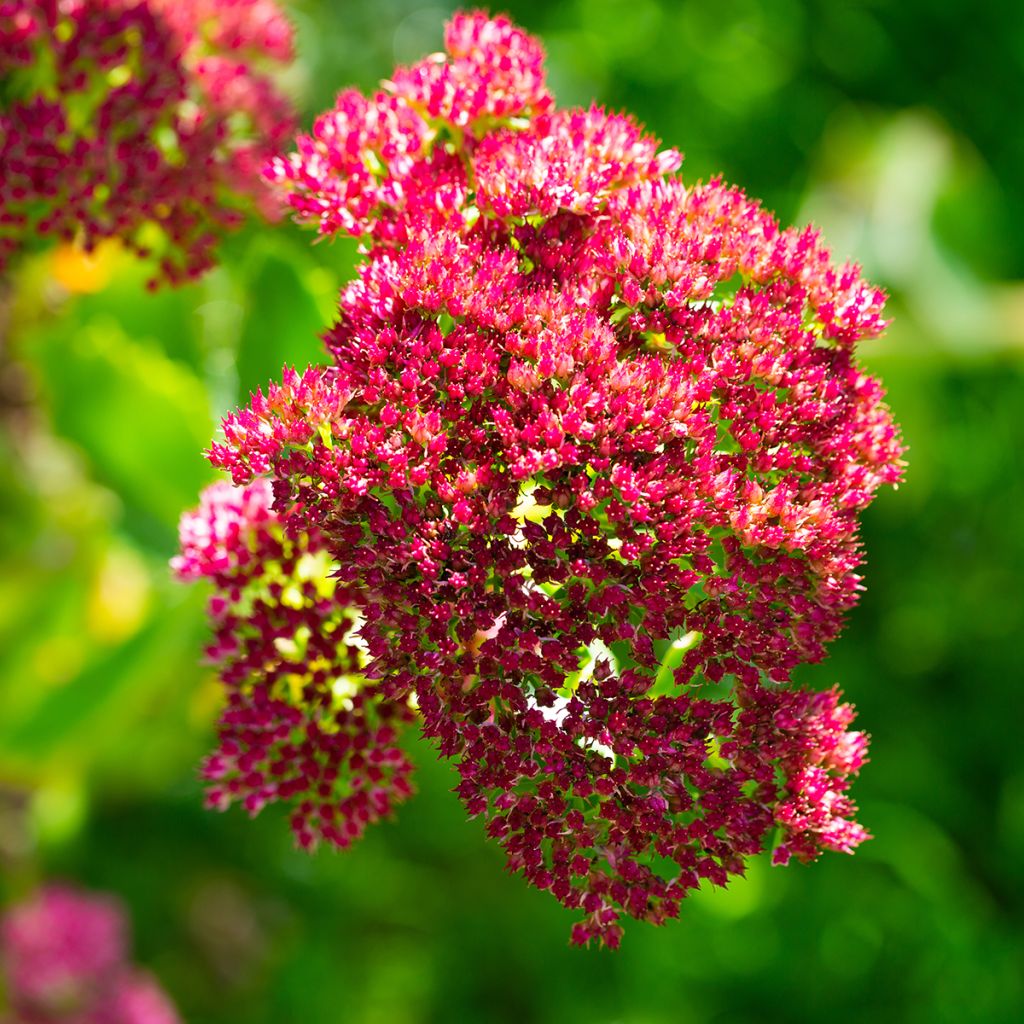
[(64, 958), (149, 121), (135, 998)]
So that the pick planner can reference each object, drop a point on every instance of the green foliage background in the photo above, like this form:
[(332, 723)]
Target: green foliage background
[(891, 125)]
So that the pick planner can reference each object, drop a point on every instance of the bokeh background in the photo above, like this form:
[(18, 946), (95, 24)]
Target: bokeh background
[(896, 127)]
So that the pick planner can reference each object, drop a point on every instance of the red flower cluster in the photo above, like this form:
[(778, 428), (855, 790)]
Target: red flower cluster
[(64, 958), (588, 460), (144, 120), (302, 723)]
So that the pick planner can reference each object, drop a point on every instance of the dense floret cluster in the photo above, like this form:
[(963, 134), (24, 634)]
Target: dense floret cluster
[(148, 121), (301, 722), (587, 460), (64, 959)]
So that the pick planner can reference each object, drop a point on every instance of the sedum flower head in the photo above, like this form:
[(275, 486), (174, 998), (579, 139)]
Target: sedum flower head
[(588, 458), (64, 958), (144, 120)]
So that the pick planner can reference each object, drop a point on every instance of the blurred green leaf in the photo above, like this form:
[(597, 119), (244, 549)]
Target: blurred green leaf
[(108, 697), (142, 419), (287, 294)]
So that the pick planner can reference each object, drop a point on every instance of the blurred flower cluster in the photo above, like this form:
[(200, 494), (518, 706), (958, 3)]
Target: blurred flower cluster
[(581, 483), (148, 121), (64, 957)]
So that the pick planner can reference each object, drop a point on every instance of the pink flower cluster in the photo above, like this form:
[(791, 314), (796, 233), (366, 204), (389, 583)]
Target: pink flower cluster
[(145, 120), (588, 460), (63, 955), (302, 723)]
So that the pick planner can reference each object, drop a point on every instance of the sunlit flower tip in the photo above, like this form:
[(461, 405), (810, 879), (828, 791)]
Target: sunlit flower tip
[(568, 160), (494, 71), (214, 538)]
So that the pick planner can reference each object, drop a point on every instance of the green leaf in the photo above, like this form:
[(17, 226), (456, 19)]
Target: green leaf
[(107, 702), (142, 420), (664, 681), (292, 302)]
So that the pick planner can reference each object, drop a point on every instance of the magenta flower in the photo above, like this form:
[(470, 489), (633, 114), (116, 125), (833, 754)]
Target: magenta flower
[(587, 463), (63, 955), (134, 999), (144, 120), (302, 723)]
